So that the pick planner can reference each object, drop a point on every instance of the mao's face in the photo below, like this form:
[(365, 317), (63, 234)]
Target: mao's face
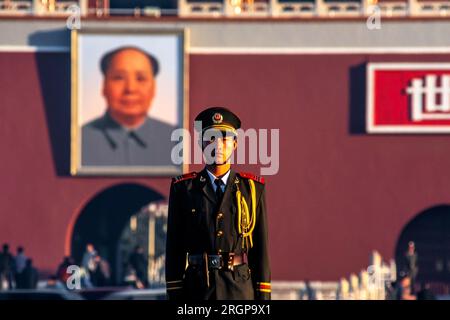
[(129, 86)]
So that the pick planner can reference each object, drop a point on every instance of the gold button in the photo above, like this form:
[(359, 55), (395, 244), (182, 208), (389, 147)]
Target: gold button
[(219, 233), (220, 251), (220, 216)]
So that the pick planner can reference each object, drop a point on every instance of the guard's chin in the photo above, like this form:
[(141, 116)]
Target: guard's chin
[(219, 162)]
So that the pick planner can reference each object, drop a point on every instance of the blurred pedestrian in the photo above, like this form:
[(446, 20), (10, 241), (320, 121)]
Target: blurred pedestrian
[(138, 261), (20, 264), (411, 264), (30, 276), (20, 259), (88, 258), (403, 289), (88, 264), (101, 275), (62, 273), (6, 268), (54, 283)]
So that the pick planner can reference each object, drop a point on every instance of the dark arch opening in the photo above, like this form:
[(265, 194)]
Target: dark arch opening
[(430, 231), (103, 219)]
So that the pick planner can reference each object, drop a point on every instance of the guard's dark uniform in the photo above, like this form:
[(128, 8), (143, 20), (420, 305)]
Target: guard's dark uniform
[(217, 250)]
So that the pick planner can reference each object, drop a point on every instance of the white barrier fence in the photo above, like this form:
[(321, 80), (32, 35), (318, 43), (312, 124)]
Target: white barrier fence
[(240, 8), (369, 284), (313, 8)]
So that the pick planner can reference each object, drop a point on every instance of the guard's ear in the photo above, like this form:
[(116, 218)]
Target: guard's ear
[(200, 142)]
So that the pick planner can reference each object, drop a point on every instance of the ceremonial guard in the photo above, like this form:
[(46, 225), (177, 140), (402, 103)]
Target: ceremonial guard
[(217, 242)]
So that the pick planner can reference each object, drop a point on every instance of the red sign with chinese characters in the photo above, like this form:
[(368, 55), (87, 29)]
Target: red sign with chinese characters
[(408, 98)]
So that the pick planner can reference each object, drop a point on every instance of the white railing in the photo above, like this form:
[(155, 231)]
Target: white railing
[(241, 8), (192, 9), (247, 9), (292, 9), (317, 8), (300, 290), (64, 6), (393, 9), (341, 9), (41, 7), (16, 7), (431, 8), (369, 284)]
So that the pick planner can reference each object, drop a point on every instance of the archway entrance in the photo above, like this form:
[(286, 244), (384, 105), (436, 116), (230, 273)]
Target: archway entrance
[(105, 219), (430, 231)]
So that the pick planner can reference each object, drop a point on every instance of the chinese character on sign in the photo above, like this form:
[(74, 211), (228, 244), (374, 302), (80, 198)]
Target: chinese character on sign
[(408, 98), (428, 92)]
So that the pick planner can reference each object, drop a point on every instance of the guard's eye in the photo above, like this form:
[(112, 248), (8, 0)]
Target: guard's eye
[(224, 137), (228, 139)]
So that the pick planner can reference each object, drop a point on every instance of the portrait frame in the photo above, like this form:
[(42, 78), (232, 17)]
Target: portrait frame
[(175, 104)]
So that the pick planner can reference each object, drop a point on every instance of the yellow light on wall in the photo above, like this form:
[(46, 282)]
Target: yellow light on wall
[(51, 5), (133, 223), (239, 6)]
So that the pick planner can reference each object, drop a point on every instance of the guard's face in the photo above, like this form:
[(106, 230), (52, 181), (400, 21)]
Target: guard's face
[(129, 86), (219, 149)]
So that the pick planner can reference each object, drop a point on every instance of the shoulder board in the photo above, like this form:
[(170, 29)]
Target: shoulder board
[(252, 176), (184, 177)]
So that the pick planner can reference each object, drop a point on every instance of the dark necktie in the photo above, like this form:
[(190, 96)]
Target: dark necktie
[(219, 193)]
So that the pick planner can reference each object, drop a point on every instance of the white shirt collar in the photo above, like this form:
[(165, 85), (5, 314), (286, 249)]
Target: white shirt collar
[(213, 178)]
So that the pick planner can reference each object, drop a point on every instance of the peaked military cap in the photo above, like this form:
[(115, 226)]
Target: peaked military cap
[(219, 118)]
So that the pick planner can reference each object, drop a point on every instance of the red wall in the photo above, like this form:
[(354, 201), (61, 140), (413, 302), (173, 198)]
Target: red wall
[(339, 192)]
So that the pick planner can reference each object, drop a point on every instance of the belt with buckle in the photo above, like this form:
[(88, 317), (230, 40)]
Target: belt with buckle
[(222, 261)]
